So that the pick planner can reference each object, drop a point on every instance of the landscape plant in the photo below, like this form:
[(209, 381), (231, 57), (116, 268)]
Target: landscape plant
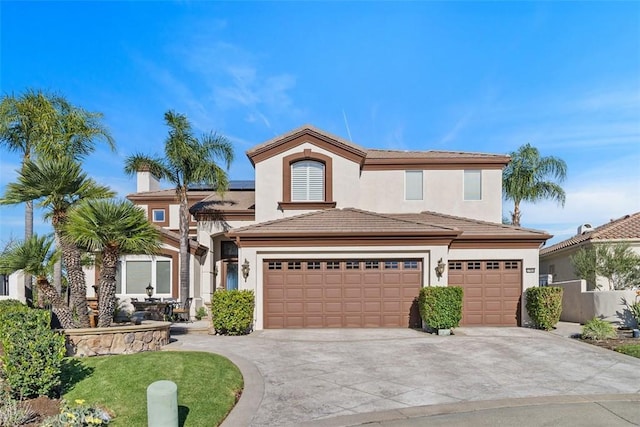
[(201, 313), (441, 307), (598, 329), (544, 305), (78, 414), (13, 412), (32, 356), (111, 228), (532, 178), (232, 311), (617, 263), (187, 160)]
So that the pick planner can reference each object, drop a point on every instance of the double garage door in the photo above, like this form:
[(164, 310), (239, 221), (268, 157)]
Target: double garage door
[(352, 293), (492, 291)]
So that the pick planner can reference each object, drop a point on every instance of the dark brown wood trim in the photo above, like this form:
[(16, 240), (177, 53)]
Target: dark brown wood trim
[(194, 247), (345, 241), (495, 244), (307, 154), (307, 135), (302, 206), (245, 215)]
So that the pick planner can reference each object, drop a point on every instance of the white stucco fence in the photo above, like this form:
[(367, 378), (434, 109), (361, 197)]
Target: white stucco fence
[(580, 305)]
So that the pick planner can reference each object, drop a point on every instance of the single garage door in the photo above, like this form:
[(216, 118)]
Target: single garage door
[(341, 293), (492, 291)]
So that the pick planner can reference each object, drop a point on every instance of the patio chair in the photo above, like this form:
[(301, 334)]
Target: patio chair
[(183, 313)]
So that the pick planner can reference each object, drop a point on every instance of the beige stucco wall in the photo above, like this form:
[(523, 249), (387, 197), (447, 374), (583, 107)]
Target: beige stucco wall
[(580, 305), (443, 192), (382, 191), (268, 174)]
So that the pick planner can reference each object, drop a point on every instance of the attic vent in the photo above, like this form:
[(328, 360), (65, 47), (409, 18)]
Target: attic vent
[(584, 228)]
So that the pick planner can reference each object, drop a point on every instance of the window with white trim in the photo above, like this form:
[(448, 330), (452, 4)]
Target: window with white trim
[(158, 215), (413, 185), (135, 273), (307, 181), (473, 184)]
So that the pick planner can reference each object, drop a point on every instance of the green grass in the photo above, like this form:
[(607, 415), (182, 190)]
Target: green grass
[(208, 385), (630, 349)]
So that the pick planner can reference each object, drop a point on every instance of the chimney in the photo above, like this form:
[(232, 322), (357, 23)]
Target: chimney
[(146, 181)]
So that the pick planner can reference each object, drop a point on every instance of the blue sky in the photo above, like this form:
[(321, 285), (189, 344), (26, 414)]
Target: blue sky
[(470, 76)]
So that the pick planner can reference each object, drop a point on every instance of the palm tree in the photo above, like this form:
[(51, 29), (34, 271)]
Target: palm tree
[(36, 256), (111, 228), (531, 178), (188, 160), (59, 184), (47, 125)]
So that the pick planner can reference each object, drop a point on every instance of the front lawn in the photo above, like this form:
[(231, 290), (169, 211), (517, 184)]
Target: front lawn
[(208, 385), (630, 349)]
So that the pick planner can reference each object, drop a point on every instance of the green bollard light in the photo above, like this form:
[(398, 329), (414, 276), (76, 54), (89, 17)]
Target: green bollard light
[(162, 404)]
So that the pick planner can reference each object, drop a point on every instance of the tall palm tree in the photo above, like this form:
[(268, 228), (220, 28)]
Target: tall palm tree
[(531, 178), (47, 125), (36, 256), (111, 228), (188, 160), (59, 184)]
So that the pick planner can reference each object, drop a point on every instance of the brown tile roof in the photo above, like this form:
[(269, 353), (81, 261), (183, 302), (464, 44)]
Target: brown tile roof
[(432, 154), (343, 221), (473, 228), (625, 228), (173, 239), (230, 201)]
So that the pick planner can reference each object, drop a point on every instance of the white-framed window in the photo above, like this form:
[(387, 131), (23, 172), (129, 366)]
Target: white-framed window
[(473, 184), (413, 185), (307, 181), (136, 272), (157, 215)]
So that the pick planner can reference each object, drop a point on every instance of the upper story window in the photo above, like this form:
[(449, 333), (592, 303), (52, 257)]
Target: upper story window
[(307, 181), (473, 184), (413, 185), (158, 215)]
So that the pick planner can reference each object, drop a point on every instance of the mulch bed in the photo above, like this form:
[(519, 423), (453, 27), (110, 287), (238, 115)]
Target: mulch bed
[(625, 336), (44, 407)]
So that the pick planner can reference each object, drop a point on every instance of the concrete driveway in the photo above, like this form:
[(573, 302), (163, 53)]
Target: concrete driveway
[(292, 377)]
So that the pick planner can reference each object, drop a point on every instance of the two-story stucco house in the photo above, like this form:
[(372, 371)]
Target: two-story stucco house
[(336, 235)]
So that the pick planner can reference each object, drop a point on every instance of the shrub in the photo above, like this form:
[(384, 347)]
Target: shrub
[(544, 306), (232, 312), (441, 307), (200, 313), (12, 413), (635, 311), (598, 329), (32, 353)]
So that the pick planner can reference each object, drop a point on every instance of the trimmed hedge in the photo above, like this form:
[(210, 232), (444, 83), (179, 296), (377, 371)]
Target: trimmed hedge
[(441, 307), (232, 312), (544, 305), (32, 353)]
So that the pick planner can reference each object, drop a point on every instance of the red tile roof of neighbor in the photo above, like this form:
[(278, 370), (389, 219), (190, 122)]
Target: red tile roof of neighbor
[(625, 228), (350, 220)]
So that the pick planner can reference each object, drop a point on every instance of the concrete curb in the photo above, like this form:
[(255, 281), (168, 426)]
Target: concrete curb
[(465, 407)]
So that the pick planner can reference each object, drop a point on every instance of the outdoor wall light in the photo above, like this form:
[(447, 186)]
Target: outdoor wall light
[(149, 290), (245, 269), (440, 268)]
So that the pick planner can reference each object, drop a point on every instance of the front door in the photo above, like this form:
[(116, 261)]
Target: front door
[(231, 280)]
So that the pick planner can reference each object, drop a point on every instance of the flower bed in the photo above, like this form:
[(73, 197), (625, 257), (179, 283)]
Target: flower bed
[(148, 336)]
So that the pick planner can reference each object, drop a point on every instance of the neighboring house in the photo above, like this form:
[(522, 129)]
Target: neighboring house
[(336, 235), (555, 260), (12, 286)]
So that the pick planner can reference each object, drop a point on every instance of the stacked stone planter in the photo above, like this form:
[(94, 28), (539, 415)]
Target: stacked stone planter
[(148, 336)]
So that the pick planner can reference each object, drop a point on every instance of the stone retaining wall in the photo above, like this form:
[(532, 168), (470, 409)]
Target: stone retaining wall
[(148, 336)]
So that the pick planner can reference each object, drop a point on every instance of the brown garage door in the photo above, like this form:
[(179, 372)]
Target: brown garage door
[(492, 291), (341, 293)]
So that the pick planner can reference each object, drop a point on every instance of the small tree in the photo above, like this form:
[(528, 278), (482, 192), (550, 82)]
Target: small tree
[(617, 263)]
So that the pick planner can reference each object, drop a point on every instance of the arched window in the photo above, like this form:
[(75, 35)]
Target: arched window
[(307, 181)]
